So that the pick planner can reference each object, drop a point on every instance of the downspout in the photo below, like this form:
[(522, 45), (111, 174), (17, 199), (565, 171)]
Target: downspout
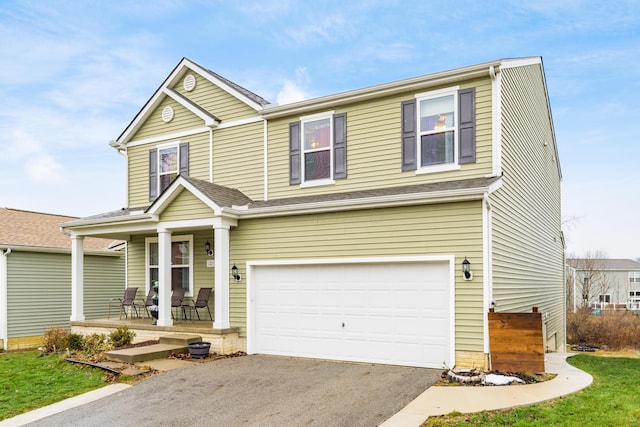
[(4, 317), (266, 161), (496, 113), (487, 281), (211, 154)]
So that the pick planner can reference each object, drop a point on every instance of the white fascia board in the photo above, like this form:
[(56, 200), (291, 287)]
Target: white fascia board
[(363, 203), (209, 120), (189, 132), (222, 85), (54, 250), (170, 137), (153, 102), (521, 62), (119, 224), (408, 85)]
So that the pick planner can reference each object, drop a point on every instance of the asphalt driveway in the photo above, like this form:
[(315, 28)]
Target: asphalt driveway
[(258, 391)]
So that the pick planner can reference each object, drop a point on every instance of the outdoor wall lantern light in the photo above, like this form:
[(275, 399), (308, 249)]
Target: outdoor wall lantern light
[(207, 247), (235, 274), (466, 269)]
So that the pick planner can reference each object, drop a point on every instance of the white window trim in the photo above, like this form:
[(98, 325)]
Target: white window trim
[(604, 302), (304, 183), (160, 147), (181, 238), (445, 166), (634, 277)]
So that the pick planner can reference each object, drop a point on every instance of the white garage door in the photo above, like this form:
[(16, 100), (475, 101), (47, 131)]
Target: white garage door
[(392, 313)]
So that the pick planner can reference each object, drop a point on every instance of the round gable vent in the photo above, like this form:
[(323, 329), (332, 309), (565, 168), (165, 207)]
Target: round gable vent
[(167, 114), (189, 83)]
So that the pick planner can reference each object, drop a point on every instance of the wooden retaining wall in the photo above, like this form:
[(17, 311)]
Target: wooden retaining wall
[(516, 342)]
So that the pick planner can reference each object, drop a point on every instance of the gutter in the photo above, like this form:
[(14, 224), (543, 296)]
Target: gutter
[(243, 212), (488, 69)]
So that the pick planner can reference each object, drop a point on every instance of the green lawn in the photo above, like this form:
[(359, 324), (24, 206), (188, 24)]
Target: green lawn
[(612, 400), (29, 381)]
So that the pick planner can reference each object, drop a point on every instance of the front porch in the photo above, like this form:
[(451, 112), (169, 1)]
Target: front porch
[(223, 341)]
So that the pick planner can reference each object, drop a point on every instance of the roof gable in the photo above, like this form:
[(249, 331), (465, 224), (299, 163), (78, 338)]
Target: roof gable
[(216, 197), (166, 90)]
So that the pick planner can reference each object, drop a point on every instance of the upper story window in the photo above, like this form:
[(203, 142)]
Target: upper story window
[(317, 149), (634, 277), (165, 163), (168, 161), (438, 130)]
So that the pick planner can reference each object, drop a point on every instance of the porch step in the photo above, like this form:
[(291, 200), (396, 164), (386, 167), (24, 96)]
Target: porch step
[(180, 339), (176, 343)]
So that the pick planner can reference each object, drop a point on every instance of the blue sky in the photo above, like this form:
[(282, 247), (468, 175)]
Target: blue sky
[(74, 73)]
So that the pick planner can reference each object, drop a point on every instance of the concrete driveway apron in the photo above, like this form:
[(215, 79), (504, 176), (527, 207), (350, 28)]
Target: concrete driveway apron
[(258, 391)]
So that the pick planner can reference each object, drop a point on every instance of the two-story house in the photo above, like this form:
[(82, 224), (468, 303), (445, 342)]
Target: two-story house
[(604, 283), (375, 225)]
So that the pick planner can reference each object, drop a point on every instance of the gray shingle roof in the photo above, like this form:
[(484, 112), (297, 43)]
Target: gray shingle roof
[(608, 264), (220, 195), (246, 92), (381, 192)]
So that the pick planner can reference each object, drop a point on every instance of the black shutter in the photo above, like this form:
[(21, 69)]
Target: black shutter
[(294, 153), (153, 174), (467, 126), (184, 159), (409, 147), (340, 146)]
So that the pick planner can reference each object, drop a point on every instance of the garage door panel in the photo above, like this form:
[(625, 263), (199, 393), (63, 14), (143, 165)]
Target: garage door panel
[(388, 317)]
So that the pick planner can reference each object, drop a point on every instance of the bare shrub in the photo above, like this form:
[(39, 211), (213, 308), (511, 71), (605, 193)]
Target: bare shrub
[(55, 339), (616, 330)]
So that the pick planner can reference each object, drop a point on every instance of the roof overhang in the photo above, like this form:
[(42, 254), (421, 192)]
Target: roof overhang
[(486, 69)]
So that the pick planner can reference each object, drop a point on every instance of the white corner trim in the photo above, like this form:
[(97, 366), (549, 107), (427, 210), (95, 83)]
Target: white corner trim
[(3, 297), (496, 127)]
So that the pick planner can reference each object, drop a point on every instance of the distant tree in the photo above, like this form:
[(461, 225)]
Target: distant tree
[(588, 277)]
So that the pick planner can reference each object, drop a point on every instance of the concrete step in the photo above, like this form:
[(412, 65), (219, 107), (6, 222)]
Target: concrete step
[(148, 352), (180, 339), (174, 343)]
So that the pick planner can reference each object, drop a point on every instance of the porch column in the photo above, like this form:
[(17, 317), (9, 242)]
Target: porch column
[(77, 278), (221, 295), (164, 278)]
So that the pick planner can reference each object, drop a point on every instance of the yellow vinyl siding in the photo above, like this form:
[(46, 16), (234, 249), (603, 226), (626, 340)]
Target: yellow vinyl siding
[(441, 229), (186, 206), (138, 165), (154, 126), (528, 254), (220, 103), (374, 149), (238, 160), (136, 263)]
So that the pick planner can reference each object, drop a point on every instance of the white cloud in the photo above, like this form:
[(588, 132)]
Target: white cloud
[(44, 169), (291, 92)]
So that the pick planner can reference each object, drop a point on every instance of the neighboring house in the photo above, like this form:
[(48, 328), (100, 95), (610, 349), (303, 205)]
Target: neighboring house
[(604, 283), (35, 276), (348, 217)]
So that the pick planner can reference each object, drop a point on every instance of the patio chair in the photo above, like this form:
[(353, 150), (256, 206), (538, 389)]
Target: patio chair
[(127, 302), (148, 302), (176, 300), (202, 301)]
